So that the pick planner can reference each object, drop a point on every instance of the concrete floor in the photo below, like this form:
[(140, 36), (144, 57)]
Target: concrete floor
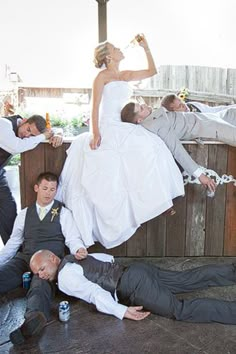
[(88, 331)]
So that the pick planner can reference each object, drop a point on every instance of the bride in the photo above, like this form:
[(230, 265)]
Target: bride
[(119, 175)]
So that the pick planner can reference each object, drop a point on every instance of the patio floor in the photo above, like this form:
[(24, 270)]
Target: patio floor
[(88, 331)]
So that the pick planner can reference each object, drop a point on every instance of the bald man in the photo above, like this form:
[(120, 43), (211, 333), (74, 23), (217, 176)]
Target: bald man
[(138, 286)]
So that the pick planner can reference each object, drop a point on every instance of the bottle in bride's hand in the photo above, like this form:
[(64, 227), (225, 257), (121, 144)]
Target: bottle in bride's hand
[(137, 39)]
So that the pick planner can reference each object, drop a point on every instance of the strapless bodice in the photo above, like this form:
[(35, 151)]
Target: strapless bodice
[(115, 95)]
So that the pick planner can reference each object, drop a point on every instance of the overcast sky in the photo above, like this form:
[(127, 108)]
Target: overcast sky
[(52, 41)]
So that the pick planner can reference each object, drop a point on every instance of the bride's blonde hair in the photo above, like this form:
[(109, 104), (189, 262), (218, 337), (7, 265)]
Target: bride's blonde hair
[(100, 55)]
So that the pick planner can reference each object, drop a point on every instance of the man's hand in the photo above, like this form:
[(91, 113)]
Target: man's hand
[(56, 140), (208, 182), (81, 253), (134, 313), (48, 133)]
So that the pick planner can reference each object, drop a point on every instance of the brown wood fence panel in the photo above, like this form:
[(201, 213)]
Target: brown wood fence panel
[(230, 215), (196, 207), (156, 236), (175, 229), (215, 217), (32, 164)]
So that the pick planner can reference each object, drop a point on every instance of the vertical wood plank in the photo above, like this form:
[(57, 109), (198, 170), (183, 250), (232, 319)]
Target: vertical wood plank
[(137, 244), (156, 237), (230, 213), (33, 163), (215, 212), (55, 158), (175, 229), (196, 207)]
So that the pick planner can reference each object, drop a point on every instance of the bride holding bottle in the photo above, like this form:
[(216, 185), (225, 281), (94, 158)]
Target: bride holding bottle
[(119, 175)]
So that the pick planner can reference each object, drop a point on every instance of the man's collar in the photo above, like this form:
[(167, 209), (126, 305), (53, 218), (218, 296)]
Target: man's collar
[(47, 207)]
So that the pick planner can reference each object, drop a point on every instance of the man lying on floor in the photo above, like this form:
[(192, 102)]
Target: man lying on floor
[(123, 291)]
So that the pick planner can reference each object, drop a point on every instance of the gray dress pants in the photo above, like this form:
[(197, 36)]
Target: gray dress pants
[(153, 288), (41, 292)]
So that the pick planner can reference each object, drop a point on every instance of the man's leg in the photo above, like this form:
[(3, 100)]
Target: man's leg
[(7, 208), (40, 296), (11, 274), (141, 285), (38, 308), (198, 278)]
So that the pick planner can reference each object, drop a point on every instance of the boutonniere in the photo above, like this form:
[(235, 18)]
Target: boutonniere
[(54, 213)]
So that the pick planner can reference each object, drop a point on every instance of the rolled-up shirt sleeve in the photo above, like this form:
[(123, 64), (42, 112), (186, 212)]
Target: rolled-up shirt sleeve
[(71, 281), (14, 145)]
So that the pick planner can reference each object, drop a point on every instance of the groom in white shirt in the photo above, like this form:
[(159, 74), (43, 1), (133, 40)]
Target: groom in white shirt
[(45, 224)]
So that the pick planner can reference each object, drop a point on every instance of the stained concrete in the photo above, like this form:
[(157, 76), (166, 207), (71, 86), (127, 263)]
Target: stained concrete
[(88, 331)]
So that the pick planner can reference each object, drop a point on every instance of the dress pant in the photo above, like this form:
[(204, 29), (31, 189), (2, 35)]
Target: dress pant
[(41, 292), (147, 285), (7, 208)]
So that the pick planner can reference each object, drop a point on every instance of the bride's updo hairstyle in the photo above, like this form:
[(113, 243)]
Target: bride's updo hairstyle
[(100, 55)]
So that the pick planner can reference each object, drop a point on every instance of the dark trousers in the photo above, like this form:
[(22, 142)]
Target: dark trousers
[(155, 289), (41, 292), (7, 208)]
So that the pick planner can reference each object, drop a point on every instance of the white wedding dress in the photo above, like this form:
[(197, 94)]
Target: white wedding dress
[(131, 178)]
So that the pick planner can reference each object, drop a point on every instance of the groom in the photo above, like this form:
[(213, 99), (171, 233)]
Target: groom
[(175, 126)]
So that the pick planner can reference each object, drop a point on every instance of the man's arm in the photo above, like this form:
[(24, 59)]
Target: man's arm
[(73, 239), (14, 145), (72, 282), (182, 156), (15, 240)]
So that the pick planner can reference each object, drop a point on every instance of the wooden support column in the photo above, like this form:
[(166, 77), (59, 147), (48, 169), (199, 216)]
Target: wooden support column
[(102, 20)]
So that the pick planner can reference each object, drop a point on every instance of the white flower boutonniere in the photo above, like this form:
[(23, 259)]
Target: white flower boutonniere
[(54, 213)]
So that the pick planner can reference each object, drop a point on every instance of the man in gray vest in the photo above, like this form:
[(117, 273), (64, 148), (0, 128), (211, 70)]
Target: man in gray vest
[(45, 224), (172, 127), (138, 286), (18, 135)]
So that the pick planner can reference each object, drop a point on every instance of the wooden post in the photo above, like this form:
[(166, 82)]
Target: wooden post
[(102, 20)]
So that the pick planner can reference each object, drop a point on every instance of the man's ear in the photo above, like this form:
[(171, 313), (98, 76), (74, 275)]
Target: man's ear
[(53, 258), (36, 188), (24, 120)]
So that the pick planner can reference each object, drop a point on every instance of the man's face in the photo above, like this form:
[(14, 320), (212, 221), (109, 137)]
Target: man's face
[(25, 130), (45, 267), (178, 106), (46, 192), (142, 111)]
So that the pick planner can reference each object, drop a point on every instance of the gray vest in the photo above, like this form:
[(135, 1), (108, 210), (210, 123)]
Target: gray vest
[(5, 155), (42, 234), (105, 274)]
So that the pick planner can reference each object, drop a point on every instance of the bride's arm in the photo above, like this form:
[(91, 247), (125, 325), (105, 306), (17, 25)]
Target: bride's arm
[(151, 70), (98, 86)]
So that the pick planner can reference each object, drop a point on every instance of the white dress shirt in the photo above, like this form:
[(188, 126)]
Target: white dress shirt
[(69, 229), (71, 281), (14, 145)]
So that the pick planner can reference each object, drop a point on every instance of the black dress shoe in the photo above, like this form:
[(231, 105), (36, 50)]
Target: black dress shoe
[(32, 326)]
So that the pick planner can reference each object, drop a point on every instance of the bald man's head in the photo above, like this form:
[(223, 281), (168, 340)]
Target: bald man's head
[(45, 264)]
